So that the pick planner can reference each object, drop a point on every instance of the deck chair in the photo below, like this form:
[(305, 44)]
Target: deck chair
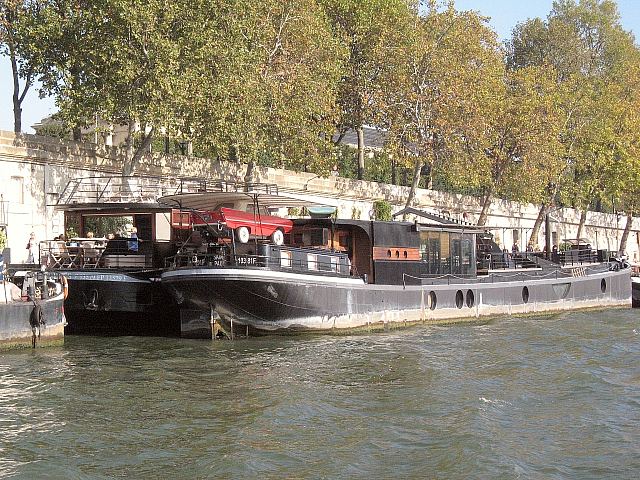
[(59, 254), (91, 256)]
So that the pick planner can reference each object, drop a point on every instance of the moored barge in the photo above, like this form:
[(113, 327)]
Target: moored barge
[(341, 275)]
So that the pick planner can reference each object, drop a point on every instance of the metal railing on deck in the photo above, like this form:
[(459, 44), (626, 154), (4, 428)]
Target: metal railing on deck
[(523, 260), (117, 253), (195, 259), (494, 277)]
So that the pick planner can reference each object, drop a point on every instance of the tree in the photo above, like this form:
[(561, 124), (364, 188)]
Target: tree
[(447, 73), (18, 42), (372, 32), (520, 140), (585, 44), (271, 99), (118, 61)]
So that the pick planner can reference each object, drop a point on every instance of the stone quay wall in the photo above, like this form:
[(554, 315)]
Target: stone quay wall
[(34, 170)]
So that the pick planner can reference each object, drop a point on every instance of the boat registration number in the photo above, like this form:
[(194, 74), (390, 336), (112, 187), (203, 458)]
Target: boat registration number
[(246, 260)]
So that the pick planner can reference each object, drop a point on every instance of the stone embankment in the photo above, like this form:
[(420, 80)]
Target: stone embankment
[(34, 170)]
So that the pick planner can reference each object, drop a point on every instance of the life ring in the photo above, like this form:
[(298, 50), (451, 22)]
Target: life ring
[(65, 286)]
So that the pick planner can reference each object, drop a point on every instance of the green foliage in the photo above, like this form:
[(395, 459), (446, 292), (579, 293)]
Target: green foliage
[(54, 130), (553, 117), (102, 226), (382, 210), (593, 59)]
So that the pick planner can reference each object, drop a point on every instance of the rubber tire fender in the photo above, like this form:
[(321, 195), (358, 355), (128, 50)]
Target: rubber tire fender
[(242, 234), (277, 237)]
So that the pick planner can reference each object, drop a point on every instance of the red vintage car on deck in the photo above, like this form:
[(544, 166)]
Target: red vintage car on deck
[(245, 224)]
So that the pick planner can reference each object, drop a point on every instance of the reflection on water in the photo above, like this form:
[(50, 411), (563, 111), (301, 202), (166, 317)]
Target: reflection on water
[(548, 397)]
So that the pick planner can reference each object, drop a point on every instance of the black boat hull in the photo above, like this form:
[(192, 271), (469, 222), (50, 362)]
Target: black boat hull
[(635, 291), (263, 301), (104, 302)]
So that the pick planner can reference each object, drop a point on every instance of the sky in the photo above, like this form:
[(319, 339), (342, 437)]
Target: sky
[(504, 15)]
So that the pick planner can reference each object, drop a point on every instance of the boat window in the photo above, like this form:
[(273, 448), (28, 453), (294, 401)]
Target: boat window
[(113, 225), (311, 237), (223, 205), (447, 253), (285, 259), (250, 208)]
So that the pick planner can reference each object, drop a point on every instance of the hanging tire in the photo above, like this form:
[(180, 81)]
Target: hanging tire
[(242, 234), (277, 237)]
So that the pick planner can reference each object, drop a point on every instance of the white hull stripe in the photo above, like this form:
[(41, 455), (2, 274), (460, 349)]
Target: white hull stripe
[(103, 277), (276, 275), (246, 274)]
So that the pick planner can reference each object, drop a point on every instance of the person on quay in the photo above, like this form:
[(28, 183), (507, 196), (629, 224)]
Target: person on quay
[(132, 244), (32, 245)]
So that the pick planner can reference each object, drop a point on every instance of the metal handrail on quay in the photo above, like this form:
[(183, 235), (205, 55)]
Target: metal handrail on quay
[(119, 189)]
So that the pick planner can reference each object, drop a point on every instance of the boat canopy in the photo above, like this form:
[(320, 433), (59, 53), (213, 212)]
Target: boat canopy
[(208, 200)]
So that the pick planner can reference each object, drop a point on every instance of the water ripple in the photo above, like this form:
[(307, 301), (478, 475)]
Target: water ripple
[(536, 397)]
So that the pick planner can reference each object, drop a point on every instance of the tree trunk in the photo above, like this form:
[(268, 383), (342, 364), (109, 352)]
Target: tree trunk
[(17, 110), (625, 234), (486, 203), (360, 132), (583, 220), (132, 161), (129, 141), (394, 173), (248, 176), (533, 238), (17, 96), (414, 184)]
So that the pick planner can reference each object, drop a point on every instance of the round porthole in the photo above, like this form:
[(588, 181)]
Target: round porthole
[(471, 299), (432, 300), (525, 294), (389, 253), (603, 285), (459, 299), (397, 254), (405, 254)]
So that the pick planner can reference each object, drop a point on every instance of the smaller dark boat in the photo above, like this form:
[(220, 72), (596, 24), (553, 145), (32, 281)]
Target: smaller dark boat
[(635, 286), (31, 310)]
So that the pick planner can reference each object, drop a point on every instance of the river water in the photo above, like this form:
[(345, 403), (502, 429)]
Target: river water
[(550, 397)]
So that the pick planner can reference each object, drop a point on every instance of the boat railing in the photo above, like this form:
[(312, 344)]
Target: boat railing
[(281, 263), (508, 261), (511, 276), (133, 189), (96, 253), (577, 257), (528, 260), (32, 283)]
